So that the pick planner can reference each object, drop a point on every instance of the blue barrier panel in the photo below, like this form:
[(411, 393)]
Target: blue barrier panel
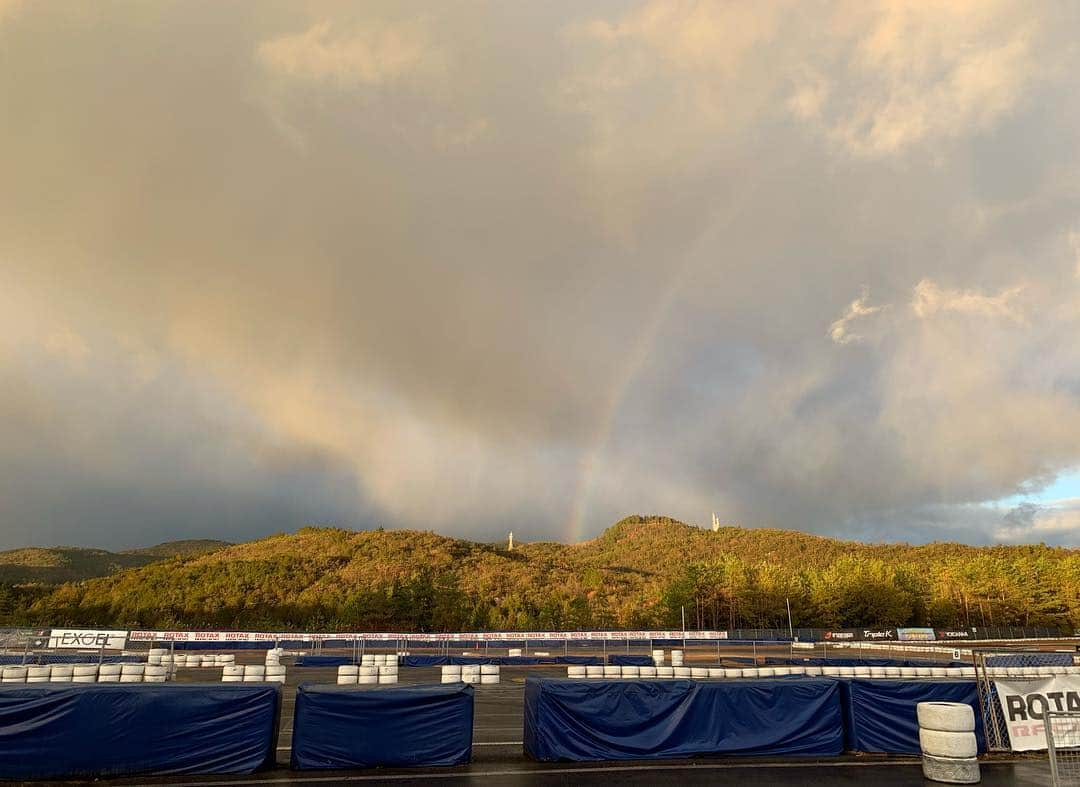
[(56, 731), (879, 715), (323, 661), (1031, 660), (630, 660), (426, 661), (643, 719), (399, 726)]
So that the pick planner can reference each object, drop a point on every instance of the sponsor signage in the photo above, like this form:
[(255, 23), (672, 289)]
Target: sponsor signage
[(954, 634), (879, 634), (915, 635), (852, 635), (87, 639), (482, 636), (1025, 702)]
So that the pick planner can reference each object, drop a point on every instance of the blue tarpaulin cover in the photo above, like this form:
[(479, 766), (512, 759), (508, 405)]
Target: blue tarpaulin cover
[(879, 715), (323, 661), (630, 660), (509, 661), (394, 726), (54, 731), (623, 720)]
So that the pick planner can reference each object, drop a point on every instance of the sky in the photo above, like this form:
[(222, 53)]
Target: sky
[(475, 267)]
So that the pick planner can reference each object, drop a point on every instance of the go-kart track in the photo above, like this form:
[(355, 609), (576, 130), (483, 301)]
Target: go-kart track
[(498, 756)]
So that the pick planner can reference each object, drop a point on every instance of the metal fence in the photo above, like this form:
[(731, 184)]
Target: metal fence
[(985, 660), (1063, 747)]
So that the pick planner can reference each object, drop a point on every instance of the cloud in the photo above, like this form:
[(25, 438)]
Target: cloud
[(476, 270), (375, 54), (929, 298), (840, 331), (1054, 522)]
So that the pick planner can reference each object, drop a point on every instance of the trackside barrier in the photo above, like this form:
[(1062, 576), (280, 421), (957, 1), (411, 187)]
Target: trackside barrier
[(400, 726), (50, 731), (625, 720)]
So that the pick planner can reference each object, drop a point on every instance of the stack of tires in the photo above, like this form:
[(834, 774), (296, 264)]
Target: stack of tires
[(451, 673), (947, 739), (658, 657), (676, 658)]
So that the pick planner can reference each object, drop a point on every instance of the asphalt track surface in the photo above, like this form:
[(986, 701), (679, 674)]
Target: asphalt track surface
[(498, 756)]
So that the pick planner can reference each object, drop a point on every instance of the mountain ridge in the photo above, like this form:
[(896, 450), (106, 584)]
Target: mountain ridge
[(642, 572)]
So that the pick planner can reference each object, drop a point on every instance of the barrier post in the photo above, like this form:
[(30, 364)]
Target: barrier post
[(754, 645)]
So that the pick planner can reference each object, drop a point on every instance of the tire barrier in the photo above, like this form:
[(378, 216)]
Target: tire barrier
[(623, 720), (474, 674), (948, 743), (85, 673), (402, 726), (50, 731)]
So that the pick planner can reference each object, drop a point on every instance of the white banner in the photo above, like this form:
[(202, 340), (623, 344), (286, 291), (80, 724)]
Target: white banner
[(1024, 702), (483, 636), (87, 639)]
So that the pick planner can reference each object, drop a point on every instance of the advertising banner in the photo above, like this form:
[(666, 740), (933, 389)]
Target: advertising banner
[(915, 635), (481, 636), (87, 639), (954, 634), (1024, 703)]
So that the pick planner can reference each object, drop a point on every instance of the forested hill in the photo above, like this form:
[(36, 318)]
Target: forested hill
[(53, 565), (639, 573)]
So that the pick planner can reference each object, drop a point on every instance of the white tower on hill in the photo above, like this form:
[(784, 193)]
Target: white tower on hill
[(715, 523), (510, 545)]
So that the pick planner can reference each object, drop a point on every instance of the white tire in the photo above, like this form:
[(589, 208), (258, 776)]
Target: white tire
[(647, 672), (814, 672), (892, 672), (155, 671), (489, 679), (732, 672), (713, 672), (830, 671), (274, 671), (367, 680), (701, 673), (612, 672), (391, 678), (954, 745), (908, 672), (471, 678), (36, 673), (125, 669), (946, 716), (766, 672), (367, 659), (232, 678), (951, 771), (862, 672), (846, 672), (129, 678), (110, 669), (348, 670), (15, 674), (575, 672), (367, 669), (61, 673), (108, 678), (631, 672), (256, 671), (749, 672), (939, 672), (489, 669), (87, 670), (682, 672), (781, 670), (594, 672), (924, 672), (665, 672), (254, 678)]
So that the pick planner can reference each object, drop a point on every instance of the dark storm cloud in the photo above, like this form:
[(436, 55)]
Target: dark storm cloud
[(485, 268)]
